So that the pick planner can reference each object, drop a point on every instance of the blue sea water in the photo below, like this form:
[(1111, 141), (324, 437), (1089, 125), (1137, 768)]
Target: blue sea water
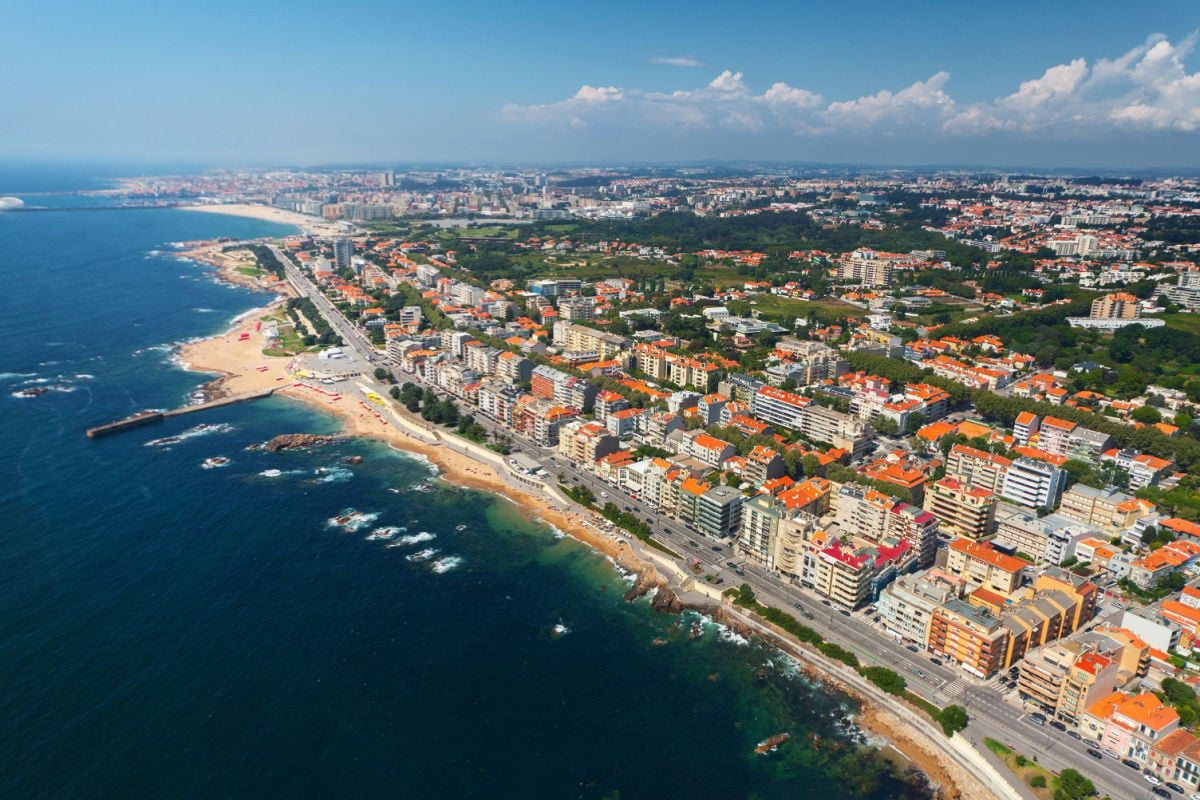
[(168, 630)]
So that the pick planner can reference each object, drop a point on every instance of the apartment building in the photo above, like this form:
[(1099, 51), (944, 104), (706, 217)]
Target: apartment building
[(707, 448), (907, 604), (583, 442), (962, 508), (977, 467), (1110, 510), (1051, 539), (980, 564), (1066, 678), (968, 636), (761, 517), (1033, 484), (778, 407)]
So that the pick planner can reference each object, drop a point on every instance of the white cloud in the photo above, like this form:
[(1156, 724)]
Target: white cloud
[(678, 61), (1147, 88), (921, 99), (780, 95)]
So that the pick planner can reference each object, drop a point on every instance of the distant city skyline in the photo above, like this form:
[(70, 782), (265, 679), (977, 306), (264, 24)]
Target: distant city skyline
[(1101, 85)]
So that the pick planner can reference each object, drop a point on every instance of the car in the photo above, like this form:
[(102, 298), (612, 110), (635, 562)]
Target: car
[(1174, 787), (717, 548), (1075, 735), (843, 612), (824, 602), (1095, 753), (1058, 726), (604, 494), (797, 605), (1161, 792), (1153, 780), (1039, 719), (692, 542), (936, 662), (1112, 753), (918, 673), (740, 571), (1129, 762), (912, 648), (731, 565)]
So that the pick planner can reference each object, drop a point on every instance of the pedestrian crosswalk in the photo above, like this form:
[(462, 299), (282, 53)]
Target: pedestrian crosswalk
[(953, 691)]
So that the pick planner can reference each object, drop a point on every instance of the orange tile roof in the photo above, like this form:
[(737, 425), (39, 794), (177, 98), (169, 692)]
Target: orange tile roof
[(981, 551)]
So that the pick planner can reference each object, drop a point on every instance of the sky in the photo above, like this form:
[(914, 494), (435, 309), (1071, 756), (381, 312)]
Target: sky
[(1055, 83)]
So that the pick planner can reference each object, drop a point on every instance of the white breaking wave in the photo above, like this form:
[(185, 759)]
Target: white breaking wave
[(422, 555), (416, 538), (446, 564), (351, 520), (205, 429), (333, 474), (383, 534)]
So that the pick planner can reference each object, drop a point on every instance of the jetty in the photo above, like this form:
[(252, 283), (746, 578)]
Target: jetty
[(147, 417)]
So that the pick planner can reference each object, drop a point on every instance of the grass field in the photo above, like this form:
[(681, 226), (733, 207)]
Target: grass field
[(1181, 322)]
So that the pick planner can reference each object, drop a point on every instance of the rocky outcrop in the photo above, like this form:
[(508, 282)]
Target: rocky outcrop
[(297, 441), (647, 579), (666, 601), (354, 460)]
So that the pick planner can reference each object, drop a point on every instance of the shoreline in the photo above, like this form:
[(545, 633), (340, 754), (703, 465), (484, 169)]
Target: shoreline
[(242, 367), (307, 223)]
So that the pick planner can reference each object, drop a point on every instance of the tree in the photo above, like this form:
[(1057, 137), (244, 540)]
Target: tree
[(890, 681), (885, 425), (952, 719), (381, 374), (1146, 414), (1071, 785)]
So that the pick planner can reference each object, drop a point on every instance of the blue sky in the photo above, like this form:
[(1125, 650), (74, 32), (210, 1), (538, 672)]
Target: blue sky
[(1104, 84)]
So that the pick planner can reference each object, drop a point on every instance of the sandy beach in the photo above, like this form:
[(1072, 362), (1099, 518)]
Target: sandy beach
[(237, 357), (306, 222)]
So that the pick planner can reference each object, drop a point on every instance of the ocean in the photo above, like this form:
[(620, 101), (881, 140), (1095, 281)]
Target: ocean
[(293, 625)]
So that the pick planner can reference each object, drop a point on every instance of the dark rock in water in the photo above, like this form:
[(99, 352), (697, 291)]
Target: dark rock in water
[(296, 441), (666, 601), (646, 580), (354, 460)]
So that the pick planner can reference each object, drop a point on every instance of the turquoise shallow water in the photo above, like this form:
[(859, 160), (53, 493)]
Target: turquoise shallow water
[(168, 630)]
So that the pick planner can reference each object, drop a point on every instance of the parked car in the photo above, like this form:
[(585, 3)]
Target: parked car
[(1153, 780), (717, 548), (936, 662), (1174, 787), (1129, 762), (1161, 792), (1039, 719), (1112, 753), (912, 649), (1095, 753), (1058, 725), (1075, 735)]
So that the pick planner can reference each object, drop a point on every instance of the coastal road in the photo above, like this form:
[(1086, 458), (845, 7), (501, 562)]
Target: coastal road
[(990, 714)]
